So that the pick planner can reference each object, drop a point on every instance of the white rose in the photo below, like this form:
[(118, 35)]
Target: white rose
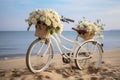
[(40, 11), (54, 24), (98, 29), (55, 13), (37, 10), (50, 15), (61, 28), (56, 18), (37, 16), (48, 22), (43, 12), (34, 21), (95, 28), (89, 28), (47, 11), (33, 13), (85, 24), (42, 18)]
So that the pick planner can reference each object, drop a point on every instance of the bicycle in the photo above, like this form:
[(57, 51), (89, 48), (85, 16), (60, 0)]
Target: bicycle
[(81, 53)]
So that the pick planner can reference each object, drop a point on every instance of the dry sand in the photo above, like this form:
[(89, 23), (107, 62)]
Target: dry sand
[(15, 69)]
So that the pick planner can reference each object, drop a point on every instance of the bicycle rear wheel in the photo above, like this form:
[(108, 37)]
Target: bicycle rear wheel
[(89, 54), (39, 55)]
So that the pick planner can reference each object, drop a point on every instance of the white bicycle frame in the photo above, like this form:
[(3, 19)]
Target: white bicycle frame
[(58, 43)]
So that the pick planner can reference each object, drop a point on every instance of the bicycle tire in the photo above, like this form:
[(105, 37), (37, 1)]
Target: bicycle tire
[(86, 56), (43, 56)]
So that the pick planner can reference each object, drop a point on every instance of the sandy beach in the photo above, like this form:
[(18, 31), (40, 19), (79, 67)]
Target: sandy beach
[(15, 69)]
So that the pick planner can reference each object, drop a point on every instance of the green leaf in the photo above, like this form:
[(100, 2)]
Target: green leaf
[(51, 31), (49, 27), (57, 29), (28, 28)]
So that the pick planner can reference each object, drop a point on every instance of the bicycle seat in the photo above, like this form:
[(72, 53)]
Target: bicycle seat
[(80, 31)]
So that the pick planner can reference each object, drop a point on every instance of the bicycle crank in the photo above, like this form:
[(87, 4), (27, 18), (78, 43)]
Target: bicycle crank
[(66, 60)]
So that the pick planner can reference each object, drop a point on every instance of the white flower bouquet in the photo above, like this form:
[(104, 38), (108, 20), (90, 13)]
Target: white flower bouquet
[(46, 21), (92, 28)]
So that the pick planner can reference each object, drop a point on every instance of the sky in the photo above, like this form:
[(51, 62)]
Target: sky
[(14, 12)]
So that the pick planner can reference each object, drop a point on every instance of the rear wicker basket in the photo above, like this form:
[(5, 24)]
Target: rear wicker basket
[(87, 36), (42, 32)]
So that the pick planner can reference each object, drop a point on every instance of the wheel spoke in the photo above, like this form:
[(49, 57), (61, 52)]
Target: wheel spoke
[(87, 54), (38, 56)]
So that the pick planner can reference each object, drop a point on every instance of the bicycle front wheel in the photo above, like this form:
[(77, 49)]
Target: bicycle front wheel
[(39, 55), (89, 54)]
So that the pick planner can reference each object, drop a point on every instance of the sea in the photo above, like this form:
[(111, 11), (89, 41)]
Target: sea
[(14, 44)]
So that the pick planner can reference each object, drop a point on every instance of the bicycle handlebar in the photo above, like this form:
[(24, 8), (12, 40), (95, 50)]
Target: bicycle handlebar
[(64, 19)]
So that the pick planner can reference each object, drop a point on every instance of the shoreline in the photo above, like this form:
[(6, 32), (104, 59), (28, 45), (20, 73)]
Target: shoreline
[(23, 55), (108, 54)]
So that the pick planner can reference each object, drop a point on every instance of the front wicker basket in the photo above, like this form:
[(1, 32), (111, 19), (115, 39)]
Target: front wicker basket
[(42, 32)]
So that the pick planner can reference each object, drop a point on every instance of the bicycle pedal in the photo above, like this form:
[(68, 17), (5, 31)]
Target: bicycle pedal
[(65, 60)]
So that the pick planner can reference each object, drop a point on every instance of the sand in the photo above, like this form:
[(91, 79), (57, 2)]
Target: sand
[(15, 69)]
